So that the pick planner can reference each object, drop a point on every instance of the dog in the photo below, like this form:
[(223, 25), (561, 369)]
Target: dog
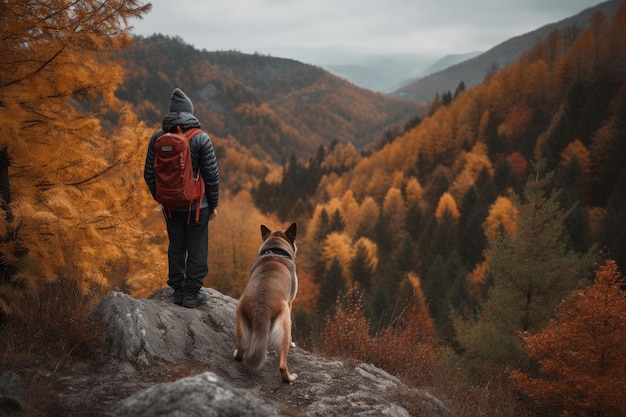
[(264, 308)]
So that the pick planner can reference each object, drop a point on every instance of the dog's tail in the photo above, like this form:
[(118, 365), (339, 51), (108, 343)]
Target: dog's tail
[(256, 354)]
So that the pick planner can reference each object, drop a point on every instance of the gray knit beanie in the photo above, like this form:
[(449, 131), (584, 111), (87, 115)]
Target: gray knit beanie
[(180, 102)]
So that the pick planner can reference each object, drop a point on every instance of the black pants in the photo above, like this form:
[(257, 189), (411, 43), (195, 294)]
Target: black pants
[(188, 250)]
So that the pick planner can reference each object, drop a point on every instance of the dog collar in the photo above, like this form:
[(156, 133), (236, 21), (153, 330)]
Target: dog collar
[(277, 251)]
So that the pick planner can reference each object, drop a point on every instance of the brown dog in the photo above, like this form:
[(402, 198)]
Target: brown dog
[(264, 309)]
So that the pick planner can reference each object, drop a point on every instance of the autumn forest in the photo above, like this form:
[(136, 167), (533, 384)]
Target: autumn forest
[(484, 230)]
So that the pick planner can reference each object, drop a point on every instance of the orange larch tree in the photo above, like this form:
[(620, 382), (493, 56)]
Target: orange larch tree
[(580, 353), (67, 184)]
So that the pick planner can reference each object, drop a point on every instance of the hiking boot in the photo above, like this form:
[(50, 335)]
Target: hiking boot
[(194, 300), (179, 295)]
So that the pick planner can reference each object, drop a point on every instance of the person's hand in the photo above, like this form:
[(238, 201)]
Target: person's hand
[(213, 214)]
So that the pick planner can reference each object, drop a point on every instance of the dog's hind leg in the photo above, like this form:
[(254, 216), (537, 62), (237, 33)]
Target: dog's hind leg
[(238, 354), (283, 348)]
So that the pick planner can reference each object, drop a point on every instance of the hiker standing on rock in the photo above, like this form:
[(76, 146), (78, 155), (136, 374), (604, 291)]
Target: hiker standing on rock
[(188, 193)]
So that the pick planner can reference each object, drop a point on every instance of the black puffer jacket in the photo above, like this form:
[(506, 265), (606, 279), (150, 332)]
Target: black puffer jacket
[(202, 156)]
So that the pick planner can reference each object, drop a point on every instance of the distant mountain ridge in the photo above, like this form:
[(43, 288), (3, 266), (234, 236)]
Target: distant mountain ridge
[(387, 73), (473, 71), (276, 107)]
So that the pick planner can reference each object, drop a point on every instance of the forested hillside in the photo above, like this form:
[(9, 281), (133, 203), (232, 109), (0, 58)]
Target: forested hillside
[(272, 105), (496, 206), (489, 213), (468, 242), (472, 71)]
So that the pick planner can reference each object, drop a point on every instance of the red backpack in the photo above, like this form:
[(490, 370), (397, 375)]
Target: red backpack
[(176, 186)]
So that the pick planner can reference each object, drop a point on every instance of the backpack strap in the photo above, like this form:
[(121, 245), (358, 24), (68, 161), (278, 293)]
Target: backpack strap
[(189, 134)]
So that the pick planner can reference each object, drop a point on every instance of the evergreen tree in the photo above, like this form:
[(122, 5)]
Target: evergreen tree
[(615, 223), (532, 271), (405, 257), (337, 223), (472, 240), (332, 285), (362, 268), (323, 227)]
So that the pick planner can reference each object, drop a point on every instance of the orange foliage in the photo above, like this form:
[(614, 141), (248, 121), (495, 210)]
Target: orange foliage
[(76, 198), (519, 164), (234, 240), (578, 63), (394, 210), (342, 156), (580, 353), (477, 279), (368, 215), (347, 331), (577, 149), (350, 212), (339, 246), (370, 248), (502, 213), (409, 349), (308, 293), (596, 218), (447, 204), (516, 122), (414, 191), (475, 162)]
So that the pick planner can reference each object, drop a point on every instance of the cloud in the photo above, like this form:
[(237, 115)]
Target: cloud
[(300, 29)]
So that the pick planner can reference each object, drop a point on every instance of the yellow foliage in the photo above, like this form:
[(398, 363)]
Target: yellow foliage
[(502, 213), (333, 185), (475, 162), (414, 191), (360, 179), (370, 247), (447, 204), (368, 216), (234, 240), (338, 245), (350, 213), (341, 156)]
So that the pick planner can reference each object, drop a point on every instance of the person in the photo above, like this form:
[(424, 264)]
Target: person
[(187, 253)]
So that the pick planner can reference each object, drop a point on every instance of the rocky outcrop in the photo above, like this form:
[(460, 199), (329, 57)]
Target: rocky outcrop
[(145, 333), (12, 393)]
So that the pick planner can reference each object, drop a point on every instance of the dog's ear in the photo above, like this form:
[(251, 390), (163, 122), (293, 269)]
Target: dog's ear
[(265, 232), (291, 232)]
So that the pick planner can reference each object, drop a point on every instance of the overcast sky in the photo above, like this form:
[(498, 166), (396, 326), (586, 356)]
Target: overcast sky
[(315, 31)]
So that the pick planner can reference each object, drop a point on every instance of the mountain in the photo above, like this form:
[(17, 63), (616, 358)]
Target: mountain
[(387, 73), (473, 71), (382, 73), (448, 61), (276, 107)]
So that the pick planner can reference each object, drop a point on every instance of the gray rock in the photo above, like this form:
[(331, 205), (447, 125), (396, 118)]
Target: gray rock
[(12, 391), (150, 332), (203, 395)]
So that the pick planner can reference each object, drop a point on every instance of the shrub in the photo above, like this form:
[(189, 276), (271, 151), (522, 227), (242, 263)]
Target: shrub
[(55, 319)]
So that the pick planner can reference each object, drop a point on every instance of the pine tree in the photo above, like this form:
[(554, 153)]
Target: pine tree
[(332, 284), (532, 272), (362, 268)]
